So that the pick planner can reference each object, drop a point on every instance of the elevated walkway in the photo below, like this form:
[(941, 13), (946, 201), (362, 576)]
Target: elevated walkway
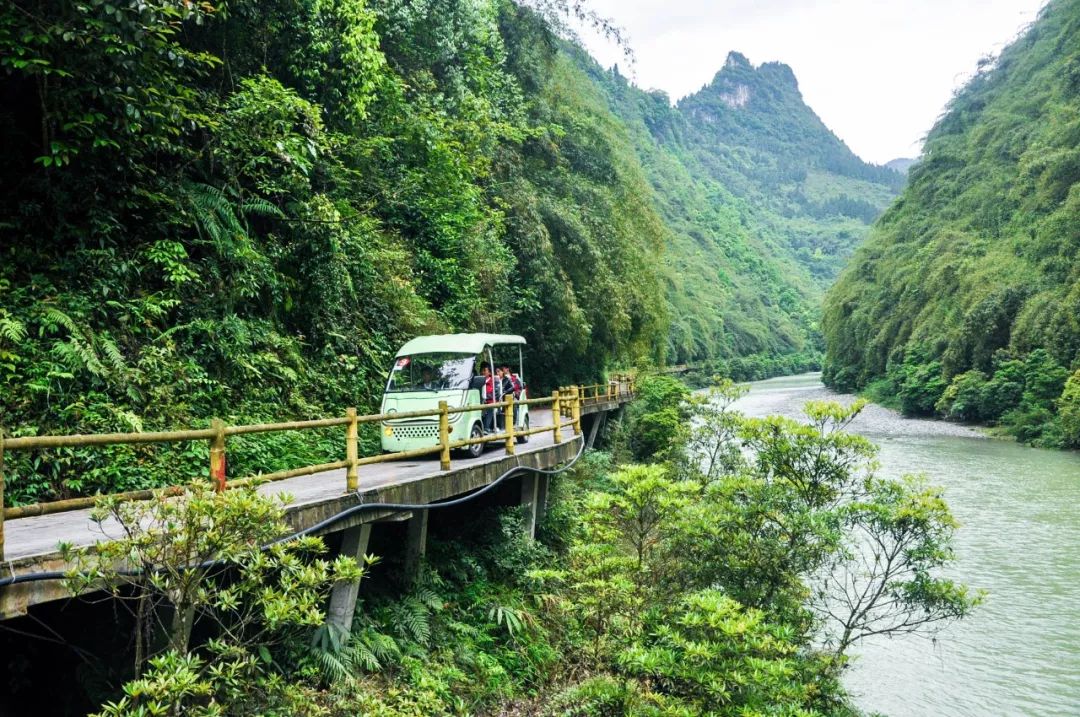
[(30, 541)]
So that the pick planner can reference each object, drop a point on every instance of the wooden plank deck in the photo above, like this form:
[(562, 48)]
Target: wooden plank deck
[(31, 543)]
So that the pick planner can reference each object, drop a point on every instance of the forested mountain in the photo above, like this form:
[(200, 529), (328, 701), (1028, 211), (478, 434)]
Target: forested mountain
[(966, 299), (764, 204)]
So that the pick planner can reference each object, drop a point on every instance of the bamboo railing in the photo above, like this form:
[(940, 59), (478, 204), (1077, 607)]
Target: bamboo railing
[(565, 403)]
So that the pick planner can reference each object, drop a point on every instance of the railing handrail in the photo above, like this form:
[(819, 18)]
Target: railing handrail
[(202, 434), (568, 399)]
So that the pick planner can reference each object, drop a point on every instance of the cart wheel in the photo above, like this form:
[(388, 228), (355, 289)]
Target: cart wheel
[(476, 449)]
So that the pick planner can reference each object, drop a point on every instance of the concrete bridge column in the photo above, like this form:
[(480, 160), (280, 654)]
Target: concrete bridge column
[(530, 499), (354, 543), (597, 422), (416, 543), (534, 496), (542, 484)]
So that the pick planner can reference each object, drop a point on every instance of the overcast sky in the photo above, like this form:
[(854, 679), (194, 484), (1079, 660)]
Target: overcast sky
[(877, 72)]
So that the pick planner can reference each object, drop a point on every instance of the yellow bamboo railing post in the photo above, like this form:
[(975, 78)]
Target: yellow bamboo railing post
[(352, 452), (556, 417), (444, 435), (217, 455), (1, 493), (575, 410), (508, 421)]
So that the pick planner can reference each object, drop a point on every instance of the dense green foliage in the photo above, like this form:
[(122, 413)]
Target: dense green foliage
[(241, 209), (966, 299), (764, 205)]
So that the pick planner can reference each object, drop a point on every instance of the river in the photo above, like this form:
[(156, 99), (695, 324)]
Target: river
[(1019, 539)]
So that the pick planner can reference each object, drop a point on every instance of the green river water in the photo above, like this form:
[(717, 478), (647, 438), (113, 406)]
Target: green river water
[(1019, 539)]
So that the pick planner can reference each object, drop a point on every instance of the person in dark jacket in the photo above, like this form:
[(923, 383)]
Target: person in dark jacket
[(503, 388), (512, 384)]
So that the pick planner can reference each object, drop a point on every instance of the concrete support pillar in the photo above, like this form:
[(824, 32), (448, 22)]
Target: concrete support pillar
[(542, 483), (416, 543), (530, 501), (354, 543), (594, 427)]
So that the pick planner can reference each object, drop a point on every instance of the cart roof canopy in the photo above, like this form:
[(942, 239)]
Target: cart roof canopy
[(456, 343)]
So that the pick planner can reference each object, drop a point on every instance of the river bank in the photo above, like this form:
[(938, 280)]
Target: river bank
[(1019, 509)]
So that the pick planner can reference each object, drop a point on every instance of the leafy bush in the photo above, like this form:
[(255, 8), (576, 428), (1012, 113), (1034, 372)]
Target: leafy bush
[(963, 398), (599, 696), (656, 422), (1005, 389), (921, 386)]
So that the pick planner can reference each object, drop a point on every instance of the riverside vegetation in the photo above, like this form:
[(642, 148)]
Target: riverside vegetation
[(965, 300), (699, 579)]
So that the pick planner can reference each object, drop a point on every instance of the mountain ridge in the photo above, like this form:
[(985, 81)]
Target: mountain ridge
[(764, 204)]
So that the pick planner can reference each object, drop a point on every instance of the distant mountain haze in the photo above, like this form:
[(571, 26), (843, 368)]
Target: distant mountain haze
[(901, 164)]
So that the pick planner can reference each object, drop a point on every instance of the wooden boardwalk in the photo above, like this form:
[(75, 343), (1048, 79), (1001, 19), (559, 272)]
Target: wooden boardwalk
[(31, 543)]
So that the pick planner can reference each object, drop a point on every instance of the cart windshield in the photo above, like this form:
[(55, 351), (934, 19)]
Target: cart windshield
[(431, 372)]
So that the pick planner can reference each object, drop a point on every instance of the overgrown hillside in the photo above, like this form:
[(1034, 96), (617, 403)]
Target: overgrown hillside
[(966, 299), (764, 203), (241, 209)]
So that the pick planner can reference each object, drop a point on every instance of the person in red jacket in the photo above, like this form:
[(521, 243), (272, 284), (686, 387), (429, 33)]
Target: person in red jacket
[(490, 393)]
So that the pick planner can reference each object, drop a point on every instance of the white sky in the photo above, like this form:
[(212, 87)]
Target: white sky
[(878, 73)]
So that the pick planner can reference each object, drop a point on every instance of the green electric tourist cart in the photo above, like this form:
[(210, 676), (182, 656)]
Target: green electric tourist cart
[(447, 367)]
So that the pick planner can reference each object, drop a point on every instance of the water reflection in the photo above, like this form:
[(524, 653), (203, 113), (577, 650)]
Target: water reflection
[(1019, 508)]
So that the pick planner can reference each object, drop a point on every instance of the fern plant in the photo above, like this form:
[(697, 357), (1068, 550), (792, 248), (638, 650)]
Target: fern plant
[(222, 222), (411, 616), (84, 351), (12, 333), (341, 656)]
